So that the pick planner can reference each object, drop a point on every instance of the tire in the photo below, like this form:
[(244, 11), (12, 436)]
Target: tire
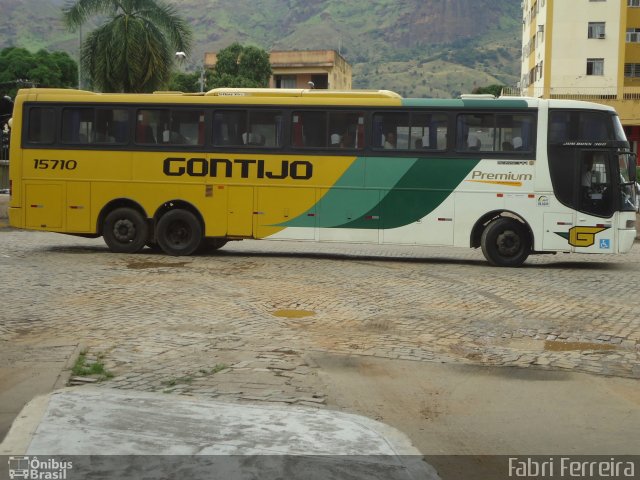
[(125, 230), (179, 233), (506, 243)]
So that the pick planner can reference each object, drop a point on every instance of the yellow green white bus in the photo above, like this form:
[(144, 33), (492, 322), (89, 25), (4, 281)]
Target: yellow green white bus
[(185, 172)]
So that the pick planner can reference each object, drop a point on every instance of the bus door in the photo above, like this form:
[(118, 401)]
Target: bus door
[(582, 180), (240, 211), (596, 201)]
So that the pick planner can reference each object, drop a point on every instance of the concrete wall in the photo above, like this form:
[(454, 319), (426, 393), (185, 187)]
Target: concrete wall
[(571, 47), (4, 202)]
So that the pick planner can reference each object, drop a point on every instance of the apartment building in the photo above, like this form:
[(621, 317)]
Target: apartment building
[(298, 68), (587, 50)]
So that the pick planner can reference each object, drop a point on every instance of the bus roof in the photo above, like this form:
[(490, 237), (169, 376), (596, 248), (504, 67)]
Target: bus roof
[(254, 96), (289, 96), (294, 92)]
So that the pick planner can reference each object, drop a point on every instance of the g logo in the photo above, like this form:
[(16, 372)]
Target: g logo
[(584, 236)]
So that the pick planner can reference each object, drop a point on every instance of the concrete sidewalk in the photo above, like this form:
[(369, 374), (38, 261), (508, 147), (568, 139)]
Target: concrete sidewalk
[(298, 442), (31, 368)]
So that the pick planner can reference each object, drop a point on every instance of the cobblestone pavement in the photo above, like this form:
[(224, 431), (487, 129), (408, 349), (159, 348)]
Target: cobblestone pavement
[(241, 323)]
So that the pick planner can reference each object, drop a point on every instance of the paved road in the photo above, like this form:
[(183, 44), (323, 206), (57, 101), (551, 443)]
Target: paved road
[(251, 321)]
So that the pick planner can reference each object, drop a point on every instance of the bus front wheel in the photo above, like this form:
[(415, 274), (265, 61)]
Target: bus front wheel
[(179, 233), (506, 243), (125, 230)]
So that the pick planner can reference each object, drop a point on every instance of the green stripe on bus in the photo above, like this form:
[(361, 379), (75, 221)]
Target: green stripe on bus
[(468, 103), (421, 190), (356, 192), (382, 192)]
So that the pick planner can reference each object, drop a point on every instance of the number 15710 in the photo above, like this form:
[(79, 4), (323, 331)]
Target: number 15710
[(41, 164)]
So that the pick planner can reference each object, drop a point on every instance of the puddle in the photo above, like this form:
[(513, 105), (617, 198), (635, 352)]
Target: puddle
[(530, 344), (143, 265), (554, 346), (293, 313)]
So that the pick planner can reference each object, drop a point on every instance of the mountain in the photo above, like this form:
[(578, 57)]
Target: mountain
[(426, 48)]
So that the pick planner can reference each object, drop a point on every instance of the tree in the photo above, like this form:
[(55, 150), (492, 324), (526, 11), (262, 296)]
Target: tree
[(239, 66), (184, 82), (21, 68), (134, 50)]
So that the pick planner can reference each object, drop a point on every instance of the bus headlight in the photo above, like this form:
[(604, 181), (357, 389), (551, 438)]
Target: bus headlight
[(631, 224)]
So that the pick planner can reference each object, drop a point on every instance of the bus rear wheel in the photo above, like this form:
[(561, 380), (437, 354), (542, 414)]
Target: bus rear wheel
[(506, 243), (125, 230), (179, 233)]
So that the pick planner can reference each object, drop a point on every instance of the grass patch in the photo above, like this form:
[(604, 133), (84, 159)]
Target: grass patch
[(218, 368), (84, 368)]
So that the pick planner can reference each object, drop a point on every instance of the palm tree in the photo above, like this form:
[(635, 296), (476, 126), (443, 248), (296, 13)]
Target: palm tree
[(133, 51)]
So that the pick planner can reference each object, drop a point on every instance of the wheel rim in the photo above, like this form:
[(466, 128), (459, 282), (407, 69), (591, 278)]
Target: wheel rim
[(124, 230), (178, 234), (508, 243)]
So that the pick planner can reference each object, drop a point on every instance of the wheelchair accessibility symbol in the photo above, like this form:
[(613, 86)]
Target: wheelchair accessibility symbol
[(605, 244)]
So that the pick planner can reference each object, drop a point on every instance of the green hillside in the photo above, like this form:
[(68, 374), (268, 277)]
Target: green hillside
[(436, 48)]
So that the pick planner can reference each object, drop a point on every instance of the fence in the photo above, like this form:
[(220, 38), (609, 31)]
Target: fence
[(576, 93)]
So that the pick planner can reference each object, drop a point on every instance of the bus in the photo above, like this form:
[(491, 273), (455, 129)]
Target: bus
[(189, 172)]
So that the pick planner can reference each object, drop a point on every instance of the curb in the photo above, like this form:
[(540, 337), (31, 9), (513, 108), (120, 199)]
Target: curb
[(65, 374)]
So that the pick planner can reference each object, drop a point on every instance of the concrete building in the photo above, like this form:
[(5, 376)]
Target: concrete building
[(296, 68), (587, 50)]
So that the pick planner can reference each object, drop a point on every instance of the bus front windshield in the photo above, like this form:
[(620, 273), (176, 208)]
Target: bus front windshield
[(627, 170), (618, 129), (626, 165)]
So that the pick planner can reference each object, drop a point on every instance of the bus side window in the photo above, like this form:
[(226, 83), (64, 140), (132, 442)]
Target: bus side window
[(346, 130), (145, 127), (489, 132), (78, 125), (579, 126), (42, 126), (514, 133), (228, 127), (297, 135), (184, 127), (111, 125), (265, 129), (476, 132), (594, 127), (559, 123), (391, 131), (309, 129), (428, 131)]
